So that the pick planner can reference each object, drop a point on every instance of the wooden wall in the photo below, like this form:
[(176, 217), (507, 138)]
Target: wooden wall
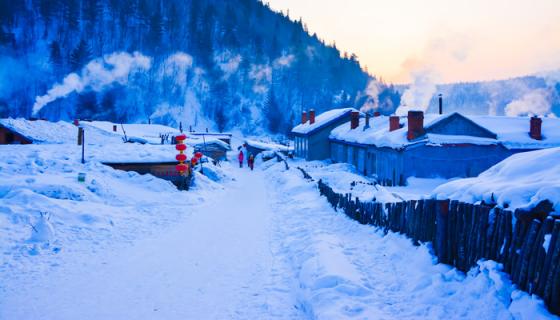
[(8, 136)]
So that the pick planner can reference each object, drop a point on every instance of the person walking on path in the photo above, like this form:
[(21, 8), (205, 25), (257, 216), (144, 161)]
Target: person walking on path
[(251, 162), (240, 158)]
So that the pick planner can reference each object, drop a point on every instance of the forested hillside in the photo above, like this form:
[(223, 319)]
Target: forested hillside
[(235, 64)]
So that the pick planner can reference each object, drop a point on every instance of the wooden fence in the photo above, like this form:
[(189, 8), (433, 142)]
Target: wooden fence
[(462, 233)]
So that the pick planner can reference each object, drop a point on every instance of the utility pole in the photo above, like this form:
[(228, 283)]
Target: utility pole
[(83, 144)]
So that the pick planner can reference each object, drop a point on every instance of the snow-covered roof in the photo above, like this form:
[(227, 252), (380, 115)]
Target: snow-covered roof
[(511, 132), (46, 132), (149, 132), (269, 146), (521, 181), (213, 141), (96, 132), (322, 120)]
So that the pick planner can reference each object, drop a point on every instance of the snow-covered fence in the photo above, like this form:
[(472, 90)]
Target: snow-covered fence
[(527, 243)]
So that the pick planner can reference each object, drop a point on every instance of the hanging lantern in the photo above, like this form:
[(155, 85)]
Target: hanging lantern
[(198, 155), (181, 157), (181, 167), (194, 161)]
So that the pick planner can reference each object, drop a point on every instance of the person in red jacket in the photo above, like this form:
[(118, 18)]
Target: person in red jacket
[(251, 162), (240, 158)]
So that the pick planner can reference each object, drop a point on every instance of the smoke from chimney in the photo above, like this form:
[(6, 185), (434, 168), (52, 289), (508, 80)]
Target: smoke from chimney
[(96, 75)]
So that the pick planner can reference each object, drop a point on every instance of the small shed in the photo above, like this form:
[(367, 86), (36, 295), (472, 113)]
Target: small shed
[(311, 137), (215, 149), (225, 137), (11, 136)]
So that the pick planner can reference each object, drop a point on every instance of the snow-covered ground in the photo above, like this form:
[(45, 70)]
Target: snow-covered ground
[(250, 245), (344, 178)]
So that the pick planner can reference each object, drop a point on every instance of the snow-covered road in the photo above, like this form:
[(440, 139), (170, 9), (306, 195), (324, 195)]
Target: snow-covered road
[(266, 247)]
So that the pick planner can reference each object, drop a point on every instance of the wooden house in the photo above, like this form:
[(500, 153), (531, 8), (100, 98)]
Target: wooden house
[(213, 148), (396, 148), (311, 137)]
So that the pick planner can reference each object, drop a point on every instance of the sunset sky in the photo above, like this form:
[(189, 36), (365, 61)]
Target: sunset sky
[(458, 40)]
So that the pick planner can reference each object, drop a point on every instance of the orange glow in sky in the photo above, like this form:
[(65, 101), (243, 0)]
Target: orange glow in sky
[(460, 40)]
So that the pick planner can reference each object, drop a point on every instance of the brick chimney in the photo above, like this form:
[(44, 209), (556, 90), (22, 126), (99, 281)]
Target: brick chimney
[(377, 114), (536, 128), (311, 116), (415, 124), (354, 120), (303, 117), (394, 123)]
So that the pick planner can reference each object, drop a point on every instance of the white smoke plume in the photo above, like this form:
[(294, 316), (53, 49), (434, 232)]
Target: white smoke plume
[(372, 93), (228, 63), (285, 61), (536, 102), (96, 75), (176, 66), (419, 93), (262, 76)]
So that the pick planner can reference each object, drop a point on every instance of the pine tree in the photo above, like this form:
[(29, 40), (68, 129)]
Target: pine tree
[(72, 14), (273, 112), (55, 56), (87, 105), (156, 31), (80, 56)]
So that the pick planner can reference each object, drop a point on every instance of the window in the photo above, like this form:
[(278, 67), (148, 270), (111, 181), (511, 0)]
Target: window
[(10, 137)]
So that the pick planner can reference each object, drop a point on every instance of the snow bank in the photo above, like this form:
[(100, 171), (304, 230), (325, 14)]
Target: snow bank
[(45, 209), (344, 178), (520, 181)]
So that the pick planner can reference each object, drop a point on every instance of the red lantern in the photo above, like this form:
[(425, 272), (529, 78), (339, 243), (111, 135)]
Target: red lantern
[(194, 161), (181, 137), (181, 167), (181, 157), (198, 155), (181, 147)]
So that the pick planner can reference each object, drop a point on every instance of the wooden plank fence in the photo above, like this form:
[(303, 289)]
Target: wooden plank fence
[(463, 233)]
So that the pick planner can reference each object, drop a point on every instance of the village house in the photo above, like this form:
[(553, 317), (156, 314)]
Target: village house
[(311, 137), (11, 136), (213, 148), (436, 146)]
